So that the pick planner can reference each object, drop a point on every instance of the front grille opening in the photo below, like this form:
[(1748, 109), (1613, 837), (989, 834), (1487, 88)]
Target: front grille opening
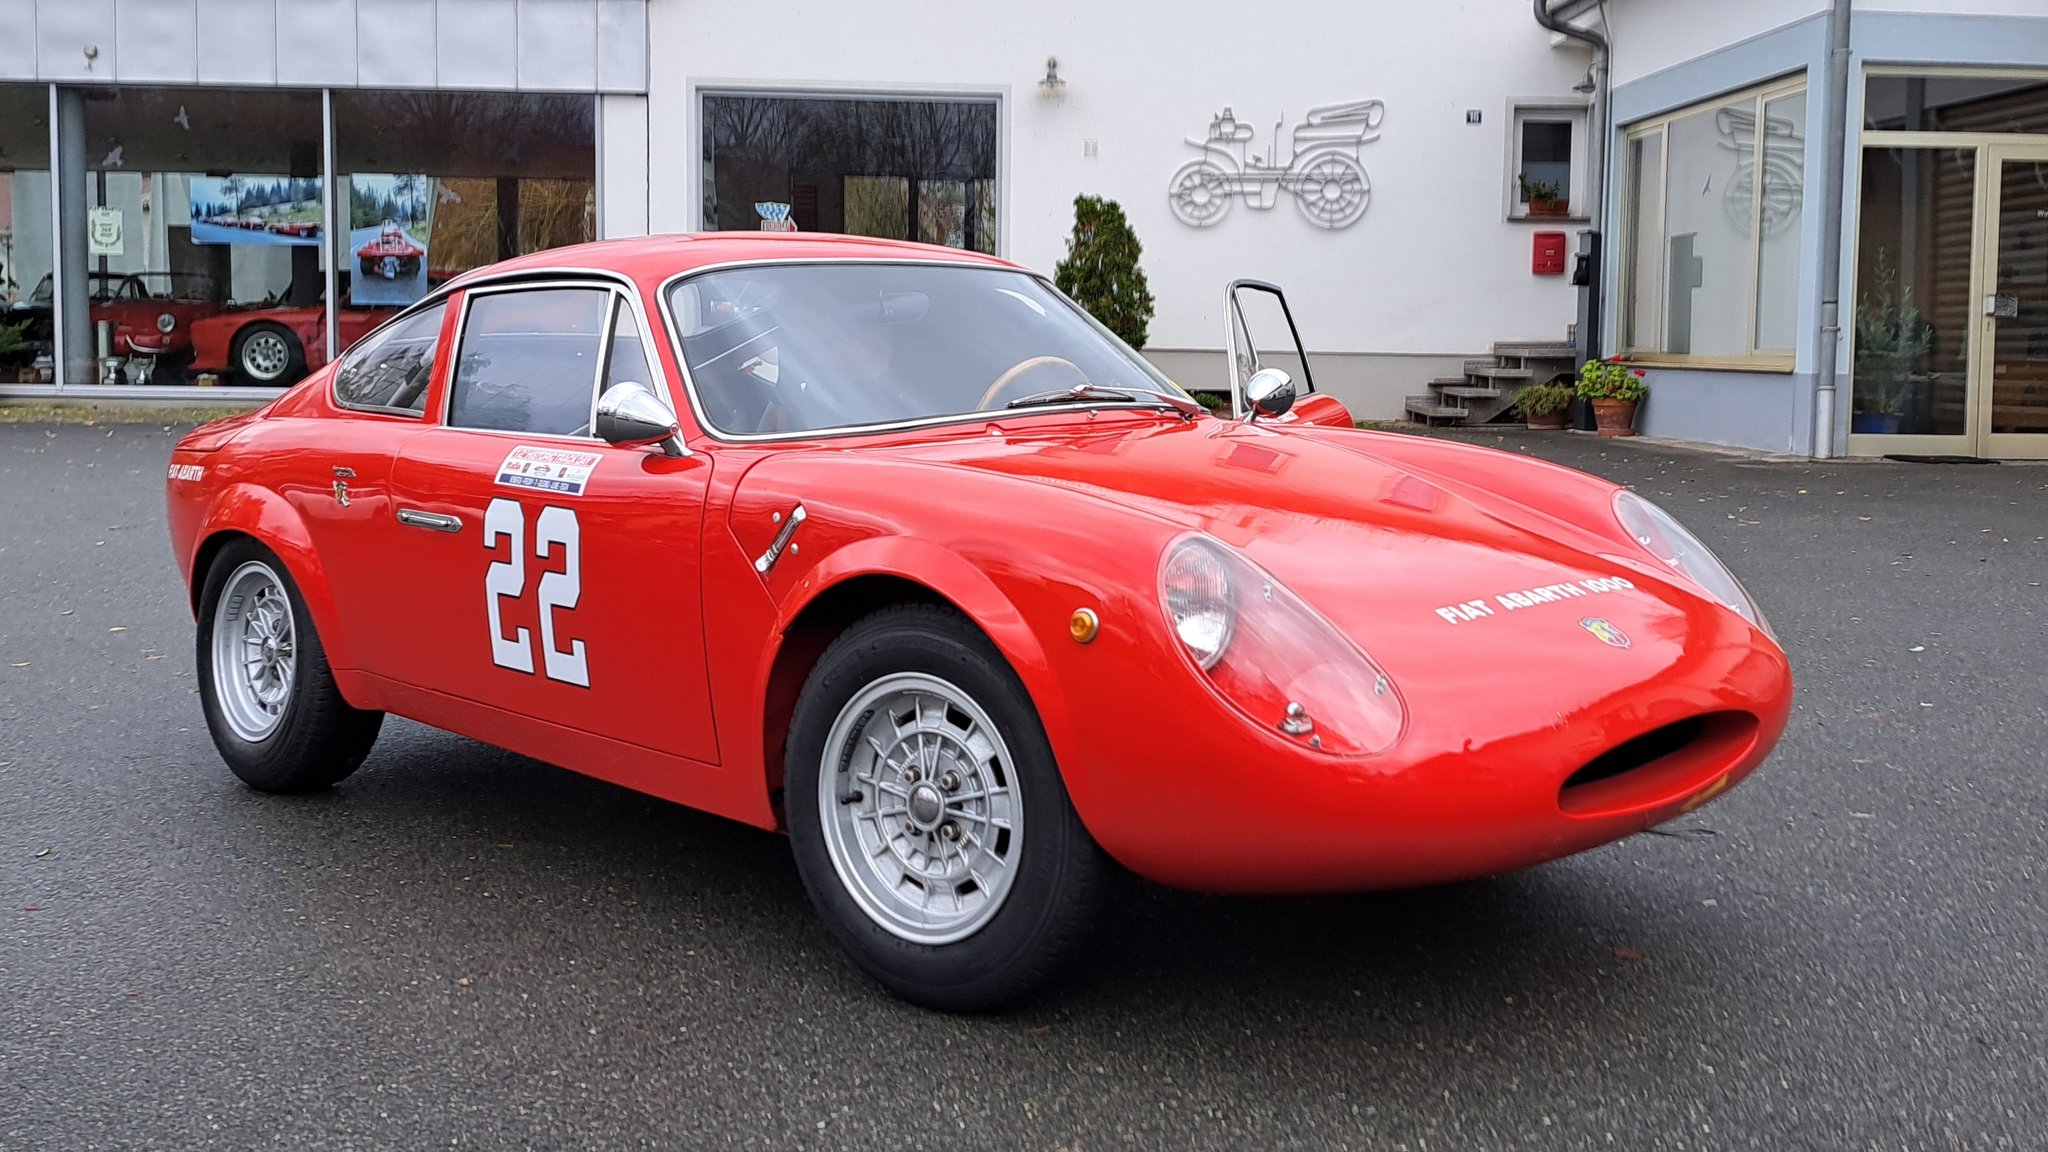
[(1652, 745), (1660, 766)]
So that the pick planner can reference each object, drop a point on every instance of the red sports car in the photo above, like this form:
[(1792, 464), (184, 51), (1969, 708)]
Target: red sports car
[(391, 255), (151, 313), (263, 346), (893, 548)]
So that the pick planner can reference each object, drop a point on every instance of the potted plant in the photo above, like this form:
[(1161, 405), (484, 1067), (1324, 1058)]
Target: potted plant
[(1542, 406), (1891, 339), (1544, 197), (14, 351), (1613, 389)]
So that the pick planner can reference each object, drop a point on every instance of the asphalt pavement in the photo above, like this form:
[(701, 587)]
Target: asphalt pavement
[(463, 948)]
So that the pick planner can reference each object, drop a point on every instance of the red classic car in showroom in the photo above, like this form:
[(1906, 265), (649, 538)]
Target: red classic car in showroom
[(151, 313), (895, 549), (275, 345)]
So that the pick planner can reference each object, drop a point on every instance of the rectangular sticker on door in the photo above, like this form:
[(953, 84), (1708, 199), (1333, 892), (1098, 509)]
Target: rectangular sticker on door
[(547, 469)]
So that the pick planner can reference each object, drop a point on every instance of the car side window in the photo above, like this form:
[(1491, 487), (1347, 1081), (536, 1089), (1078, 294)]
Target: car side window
[(390, 369), (628, 357), (528, 361)]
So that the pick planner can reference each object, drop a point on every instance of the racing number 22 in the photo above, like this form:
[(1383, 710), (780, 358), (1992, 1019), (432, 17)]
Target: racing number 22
[(507, 578)]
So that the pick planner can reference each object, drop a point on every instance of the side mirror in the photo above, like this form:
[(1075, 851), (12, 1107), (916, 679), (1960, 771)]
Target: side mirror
[(1270, 392), (629, 416)]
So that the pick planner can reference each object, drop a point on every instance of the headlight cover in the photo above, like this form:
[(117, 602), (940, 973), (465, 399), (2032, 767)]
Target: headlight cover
[(1274, 658), (166, 322), (1662, 536)]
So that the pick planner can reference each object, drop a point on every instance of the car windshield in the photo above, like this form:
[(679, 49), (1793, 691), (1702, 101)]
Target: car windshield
[(791, 348)]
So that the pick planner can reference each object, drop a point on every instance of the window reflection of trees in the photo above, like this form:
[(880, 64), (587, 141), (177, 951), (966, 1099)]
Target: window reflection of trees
[(761, 148)]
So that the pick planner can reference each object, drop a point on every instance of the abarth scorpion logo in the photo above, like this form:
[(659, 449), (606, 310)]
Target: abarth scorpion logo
[(1604, 632)]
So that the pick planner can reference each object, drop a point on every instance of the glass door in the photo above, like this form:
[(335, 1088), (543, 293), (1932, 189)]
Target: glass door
[(2012, 373)]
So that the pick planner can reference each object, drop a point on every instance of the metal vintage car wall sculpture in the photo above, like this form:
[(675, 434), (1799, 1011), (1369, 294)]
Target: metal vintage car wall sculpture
[(893, 548), (1323, 171)]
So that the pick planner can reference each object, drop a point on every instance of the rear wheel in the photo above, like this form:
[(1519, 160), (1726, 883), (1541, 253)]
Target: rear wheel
[(928, 818), (269, 696), (268, 353)]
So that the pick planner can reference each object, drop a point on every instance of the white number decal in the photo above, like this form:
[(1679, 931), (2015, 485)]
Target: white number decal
[(504, 578), (558, 590)]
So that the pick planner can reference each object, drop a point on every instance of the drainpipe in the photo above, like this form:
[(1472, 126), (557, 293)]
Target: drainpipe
[(1596, 133), (1829, 352)]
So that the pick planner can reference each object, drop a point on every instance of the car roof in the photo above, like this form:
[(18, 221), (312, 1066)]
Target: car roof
[(653, 259)]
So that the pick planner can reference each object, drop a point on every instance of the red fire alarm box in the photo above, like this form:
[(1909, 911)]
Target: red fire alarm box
[(1548, 258)]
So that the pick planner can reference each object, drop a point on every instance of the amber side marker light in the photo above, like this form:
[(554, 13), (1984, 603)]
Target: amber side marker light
[(1083, 625)]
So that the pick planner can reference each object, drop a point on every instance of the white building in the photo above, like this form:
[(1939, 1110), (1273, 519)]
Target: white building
[(1368, 157)]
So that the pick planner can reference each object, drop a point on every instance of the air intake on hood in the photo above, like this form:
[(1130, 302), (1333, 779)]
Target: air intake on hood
[(1659, 766)]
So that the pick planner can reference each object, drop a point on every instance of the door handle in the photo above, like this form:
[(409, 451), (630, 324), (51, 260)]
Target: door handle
[(434, 520)]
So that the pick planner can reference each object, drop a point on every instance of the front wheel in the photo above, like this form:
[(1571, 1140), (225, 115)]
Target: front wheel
[(928, 818), (270, 699)]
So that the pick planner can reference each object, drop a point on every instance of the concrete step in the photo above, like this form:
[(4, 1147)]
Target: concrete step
[(1485, 371), (1535, 350), (1468, 392), (1430, 408)]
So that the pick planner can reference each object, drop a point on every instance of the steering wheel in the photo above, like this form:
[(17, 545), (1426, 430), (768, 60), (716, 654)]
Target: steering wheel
[(1024, 368)]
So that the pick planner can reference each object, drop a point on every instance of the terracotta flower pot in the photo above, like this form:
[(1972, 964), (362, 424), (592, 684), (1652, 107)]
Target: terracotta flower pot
[(1615, 417), (1546, 421)]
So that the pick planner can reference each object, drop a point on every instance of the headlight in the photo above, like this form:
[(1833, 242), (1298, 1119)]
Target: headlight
[(1665, 538), (166, 322), (1274, 658), (1195, 586)]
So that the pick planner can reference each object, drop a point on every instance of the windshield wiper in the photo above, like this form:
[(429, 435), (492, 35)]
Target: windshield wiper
[(1084, 391)]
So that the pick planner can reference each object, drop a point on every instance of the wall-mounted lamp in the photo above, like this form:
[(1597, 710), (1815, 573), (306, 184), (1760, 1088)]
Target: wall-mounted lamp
[(1051, 85), (1586, 84)]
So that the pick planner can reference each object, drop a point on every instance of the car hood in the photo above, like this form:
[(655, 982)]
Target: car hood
[(1413, 562)]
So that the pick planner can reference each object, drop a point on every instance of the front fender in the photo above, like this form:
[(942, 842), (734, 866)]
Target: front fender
[(260, 513)]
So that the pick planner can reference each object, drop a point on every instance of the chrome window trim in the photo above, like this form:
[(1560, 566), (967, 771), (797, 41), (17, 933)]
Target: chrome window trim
[(486, 278), (997, 264), (615, 285)]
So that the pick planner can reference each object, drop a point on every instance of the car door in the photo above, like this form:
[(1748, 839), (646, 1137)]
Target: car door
[(550, 574)]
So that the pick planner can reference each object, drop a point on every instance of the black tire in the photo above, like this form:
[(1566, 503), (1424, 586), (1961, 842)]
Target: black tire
[(1062, 878), (264, 336), (318, 739)]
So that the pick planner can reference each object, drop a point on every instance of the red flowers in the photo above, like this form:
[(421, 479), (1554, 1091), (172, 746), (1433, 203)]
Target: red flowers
[(1639, 372)]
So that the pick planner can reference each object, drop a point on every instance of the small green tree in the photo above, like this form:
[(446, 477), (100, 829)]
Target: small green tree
[(1101, 270)]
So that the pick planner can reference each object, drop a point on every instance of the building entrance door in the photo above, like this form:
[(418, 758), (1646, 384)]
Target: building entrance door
[(1951, 310), (2010, 372)]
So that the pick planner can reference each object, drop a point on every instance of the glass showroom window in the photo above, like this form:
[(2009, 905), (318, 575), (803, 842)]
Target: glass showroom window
[(909, 169), (1713, 197), (26, 252), (432, 184), (197, 207)]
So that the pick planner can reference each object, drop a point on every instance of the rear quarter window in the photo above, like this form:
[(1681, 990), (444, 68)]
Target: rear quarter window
[(389, 371)]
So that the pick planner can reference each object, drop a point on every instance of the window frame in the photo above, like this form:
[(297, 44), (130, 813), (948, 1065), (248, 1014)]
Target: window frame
[(997, 96), (620, 301), (424, 304), (1758, 97), (1577, 113)]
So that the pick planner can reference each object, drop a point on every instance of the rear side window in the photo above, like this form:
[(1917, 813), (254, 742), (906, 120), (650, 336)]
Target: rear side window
[(529, 361), (389, 370)]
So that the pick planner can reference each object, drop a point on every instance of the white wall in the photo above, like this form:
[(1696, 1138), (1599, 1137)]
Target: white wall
[(1652, 35), (1431, 268)]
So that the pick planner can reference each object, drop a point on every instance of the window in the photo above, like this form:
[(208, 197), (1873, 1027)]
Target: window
[(628, 359), (1543, 172), (908, 169), (390, 370), (798, 348), (1974, 102), (528, 361), (1710, 219)]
